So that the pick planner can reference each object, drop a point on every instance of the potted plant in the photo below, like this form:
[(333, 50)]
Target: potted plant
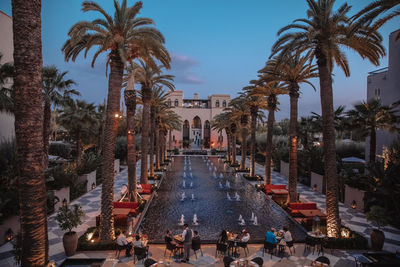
[(69, 218), (378, 215)]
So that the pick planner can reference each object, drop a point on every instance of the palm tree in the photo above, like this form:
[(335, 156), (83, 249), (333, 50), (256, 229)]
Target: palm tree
[(166, 120), (28, 111), (6, 73), (125, 37), (148, 76), (323, 34), (79, 117), (377, 8), (55, 92), (270, 90), (221, 122), (292, 69), (368, 117)]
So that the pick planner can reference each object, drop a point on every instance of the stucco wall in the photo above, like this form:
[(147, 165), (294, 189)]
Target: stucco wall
[(355, 194), (317, 179), (90, 178), (62, 194)]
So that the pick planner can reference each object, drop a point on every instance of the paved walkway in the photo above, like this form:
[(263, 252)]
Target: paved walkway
[(353, 219)]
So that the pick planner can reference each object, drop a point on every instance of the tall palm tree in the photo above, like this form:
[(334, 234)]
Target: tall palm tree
[(292, 69), (240, 112), (6, 74), (323, 34), (270, 90), (56, 91), (368, 117), (124, 37), (148, 76), (221, 122), (78, 117), (377, 8), (28, 113)]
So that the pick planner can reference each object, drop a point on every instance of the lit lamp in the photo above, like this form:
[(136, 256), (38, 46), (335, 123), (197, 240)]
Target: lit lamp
[(315, 187), (316, 223), (64, 202), (9, 234), (354, 204), (93, 186), (345, 233)]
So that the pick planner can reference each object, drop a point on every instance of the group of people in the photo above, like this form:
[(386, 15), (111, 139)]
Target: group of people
[(188, 237), (243, 237), (123, 242), (284, 235)]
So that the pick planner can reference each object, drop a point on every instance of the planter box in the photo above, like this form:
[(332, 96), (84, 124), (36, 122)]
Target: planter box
[(62, 194), (90, 178), (317, 179), (116, 166), (351, 193), (284, 168)]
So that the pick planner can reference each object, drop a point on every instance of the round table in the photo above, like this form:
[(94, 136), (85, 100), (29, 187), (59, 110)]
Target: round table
[(318, 238), (243, 263)]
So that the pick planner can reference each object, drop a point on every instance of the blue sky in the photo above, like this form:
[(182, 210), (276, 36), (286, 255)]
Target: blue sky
[(217, 46)]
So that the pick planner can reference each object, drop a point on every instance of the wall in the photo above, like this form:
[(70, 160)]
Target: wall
[(284, 169), (319, 181), (116, 166), (90, 178), (351, 194), (62, 194)]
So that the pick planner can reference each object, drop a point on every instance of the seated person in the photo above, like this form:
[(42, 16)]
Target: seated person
[(122, 242), (270, 237), (287, 236), (223, 238), (196, 237), (138, 243), (169, 240), (245, 237)]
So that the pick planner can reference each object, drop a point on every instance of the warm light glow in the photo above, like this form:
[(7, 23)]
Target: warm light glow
[(354, 204), (89, 236), (116, 115), (92, 240), (345, 233)]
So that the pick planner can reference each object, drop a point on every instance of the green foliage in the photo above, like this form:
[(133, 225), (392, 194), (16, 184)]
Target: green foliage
[(90, 162), (69, 218), (350, 149), (378, 215), (121, 148), (61, 150)]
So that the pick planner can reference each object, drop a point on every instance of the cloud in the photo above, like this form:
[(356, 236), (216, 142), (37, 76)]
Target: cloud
[(181, 67)]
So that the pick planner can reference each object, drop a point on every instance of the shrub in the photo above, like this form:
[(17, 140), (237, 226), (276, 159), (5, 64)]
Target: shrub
[(121, 148), (346, 149), (69, 218), (90, 162), (60, 149)]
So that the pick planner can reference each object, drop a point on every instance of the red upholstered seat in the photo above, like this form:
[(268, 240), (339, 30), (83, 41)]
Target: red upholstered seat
[(127, 205), (146, 189), (295, 207), (120, 220), (268, 187)]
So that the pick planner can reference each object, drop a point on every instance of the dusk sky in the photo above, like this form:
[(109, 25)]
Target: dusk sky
[(216, 46)]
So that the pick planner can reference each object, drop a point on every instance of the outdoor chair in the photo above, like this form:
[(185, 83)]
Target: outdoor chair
[(269, 247), (139, 254), (290, 245), (196, 245), (221, 248), (323, 259), (309, 243), (244, 246), (149, 262), (171, 248), (259, 261), (118, 250), (227, 261)]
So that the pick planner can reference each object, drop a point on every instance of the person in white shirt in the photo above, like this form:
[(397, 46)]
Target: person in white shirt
[(187, 235), (122, 242), (245, 236), (138, 243), (287, 235)]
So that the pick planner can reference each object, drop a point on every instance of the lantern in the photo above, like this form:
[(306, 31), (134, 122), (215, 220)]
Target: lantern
[(64, 202), (316, 224), (354, 204), (9, 234)]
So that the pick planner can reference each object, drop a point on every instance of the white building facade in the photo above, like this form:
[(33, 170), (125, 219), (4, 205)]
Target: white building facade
[(384, 84), (196, 115)]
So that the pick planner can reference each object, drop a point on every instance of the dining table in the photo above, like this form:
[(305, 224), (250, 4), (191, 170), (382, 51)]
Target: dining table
[(312, 213), (318, 237), (243, 263)]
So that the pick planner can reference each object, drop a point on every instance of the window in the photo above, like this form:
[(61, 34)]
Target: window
[(217, 103), (224, 104), (176, 102), (169, 102)]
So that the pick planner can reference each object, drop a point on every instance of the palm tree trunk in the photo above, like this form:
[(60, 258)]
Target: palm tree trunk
[(146, 98), (110, 135), (253, 126), (78, 147), (244, 146), (157, 137), (294, 96), (28, 111), (233, 148), (372, 145), (46, 132), (268, 150), (100, 140), (170, 140), (228, 137), (130, 102), (153, 128), (328, 130)]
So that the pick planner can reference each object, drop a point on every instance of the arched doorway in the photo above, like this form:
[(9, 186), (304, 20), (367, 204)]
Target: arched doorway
[(185, 137), (207, 133), (196, 133)]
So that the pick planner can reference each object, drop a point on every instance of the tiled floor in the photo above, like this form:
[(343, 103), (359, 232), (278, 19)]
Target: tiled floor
[(351, 218)]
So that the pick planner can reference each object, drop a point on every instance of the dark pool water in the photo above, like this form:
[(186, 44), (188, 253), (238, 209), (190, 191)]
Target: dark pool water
[(214, 211)]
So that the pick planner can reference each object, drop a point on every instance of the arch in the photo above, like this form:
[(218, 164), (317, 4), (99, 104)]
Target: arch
[(207, 134), (185, 134), (176, 102), (196, 123), (224, 104), (217, 103)]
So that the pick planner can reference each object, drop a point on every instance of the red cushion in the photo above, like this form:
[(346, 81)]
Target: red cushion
[(268, 187), (302, 206), (125, 205)]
